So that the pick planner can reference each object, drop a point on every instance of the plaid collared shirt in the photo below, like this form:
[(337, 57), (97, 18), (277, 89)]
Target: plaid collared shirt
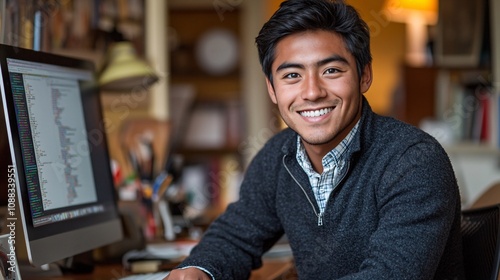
[(333, 162)]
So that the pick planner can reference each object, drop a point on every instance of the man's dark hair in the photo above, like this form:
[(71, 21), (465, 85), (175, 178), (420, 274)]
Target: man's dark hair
[(296, 16)]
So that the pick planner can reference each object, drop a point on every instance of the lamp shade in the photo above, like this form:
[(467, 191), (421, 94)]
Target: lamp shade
[(124, 70), (417, 14), (403, 10)]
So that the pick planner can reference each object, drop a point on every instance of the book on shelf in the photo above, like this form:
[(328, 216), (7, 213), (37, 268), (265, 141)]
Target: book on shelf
[(467, 110), (477, 114)]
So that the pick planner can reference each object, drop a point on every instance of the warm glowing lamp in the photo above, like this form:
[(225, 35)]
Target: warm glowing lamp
[(124, 71), (417, 14)]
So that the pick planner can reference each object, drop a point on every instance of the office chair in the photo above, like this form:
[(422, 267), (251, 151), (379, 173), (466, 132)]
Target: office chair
[(481, 242), (489, 197)]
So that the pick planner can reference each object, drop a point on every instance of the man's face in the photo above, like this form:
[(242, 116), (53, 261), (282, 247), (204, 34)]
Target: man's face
[(316, 87)]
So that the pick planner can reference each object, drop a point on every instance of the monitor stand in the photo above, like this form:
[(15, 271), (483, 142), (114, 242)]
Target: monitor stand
[(31, 272), (79, 264)]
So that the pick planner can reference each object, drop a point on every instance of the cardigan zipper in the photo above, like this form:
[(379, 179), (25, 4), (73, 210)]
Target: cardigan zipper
[(319, 215)]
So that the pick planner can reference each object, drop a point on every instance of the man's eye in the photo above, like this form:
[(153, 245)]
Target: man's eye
[(291, 76), (331, 71)]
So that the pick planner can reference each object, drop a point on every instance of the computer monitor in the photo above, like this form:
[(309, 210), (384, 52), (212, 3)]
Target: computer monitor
[(64, 187), (4, 165)]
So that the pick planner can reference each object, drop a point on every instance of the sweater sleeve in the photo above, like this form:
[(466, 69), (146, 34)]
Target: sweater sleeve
[(418, 200), (234, 243)]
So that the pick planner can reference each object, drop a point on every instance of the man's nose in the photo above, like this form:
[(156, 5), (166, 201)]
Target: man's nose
[(313, 88)]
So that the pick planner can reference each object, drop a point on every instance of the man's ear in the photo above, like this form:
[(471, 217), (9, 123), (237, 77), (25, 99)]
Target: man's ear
[(270, 91), (366, 78)]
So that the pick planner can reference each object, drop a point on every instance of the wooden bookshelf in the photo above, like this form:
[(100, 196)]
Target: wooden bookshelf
[(214, 124), (463, 99)]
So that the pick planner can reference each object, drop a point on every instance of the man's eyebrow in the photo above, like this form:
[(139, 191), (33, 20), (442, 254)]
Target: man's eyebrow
[(333, 58), (290, 65)]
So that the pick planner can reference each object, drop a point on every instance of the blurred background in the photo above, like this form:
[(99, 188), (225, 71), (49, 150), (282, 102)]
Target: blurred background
[(206, 113)]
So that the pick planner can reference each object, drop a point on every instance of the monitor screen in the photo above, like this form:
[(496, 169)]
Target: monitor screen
[(58, 144)]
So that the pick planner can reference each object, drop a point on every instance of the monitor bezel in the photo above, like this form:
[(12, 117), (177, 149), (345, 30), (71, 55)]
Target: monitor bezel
[(59, 240)]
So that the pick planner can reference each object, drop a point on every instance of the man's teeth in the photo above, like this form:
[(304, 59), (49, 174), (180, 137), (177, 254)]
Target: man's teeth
[(316, 113)]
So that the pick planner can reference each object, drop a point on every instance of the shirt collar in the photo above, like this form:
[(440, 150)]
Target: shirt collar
[(332, 158)]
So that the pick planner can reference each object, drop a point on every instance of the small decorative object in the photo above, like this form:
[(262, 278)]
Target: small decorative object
[(217, 51), (460, 33)]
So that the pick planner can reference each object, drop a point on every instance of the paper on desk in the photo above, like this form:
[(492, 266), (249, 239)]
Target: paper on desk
[(168, 251), (178, 250), (171, 249), (278, 251), (182, 249)]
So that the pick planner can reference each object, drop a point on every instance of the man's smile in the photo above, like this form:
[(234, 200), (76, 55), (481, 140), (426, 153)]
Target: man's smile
[(316, 113)]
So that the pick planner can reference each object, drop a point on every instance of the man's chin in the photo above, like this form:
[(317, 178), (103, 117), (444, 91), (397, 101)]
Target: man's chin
[(316, 140)]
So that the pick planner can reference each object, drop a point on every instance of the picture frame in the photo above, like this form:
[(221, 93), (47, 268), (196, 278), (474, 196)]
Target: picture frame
[(460, 33), (9, 269)]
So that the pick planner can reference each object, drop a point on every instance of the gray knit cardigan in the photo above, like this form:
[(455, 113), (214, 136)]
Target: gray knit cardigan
[(394, 215)]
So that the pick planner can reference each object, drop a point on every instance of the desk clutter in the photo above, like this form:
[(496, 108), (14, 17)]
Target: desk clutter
[(181, 186), (162, 190), (162, 257), (176, 195), (146, 276), (156, 257)]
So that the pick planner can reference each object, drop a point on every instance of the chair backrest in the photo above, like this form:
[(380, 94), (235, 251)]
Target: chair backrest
[(481, 242), (489, 197)]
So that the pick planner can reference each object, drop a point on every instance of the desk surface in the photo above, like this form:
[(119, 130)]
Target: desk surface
[(271, 269)]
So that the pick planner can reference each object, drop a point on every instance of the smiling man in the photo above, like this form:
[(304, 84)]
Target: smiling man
[(319, 93), (358, 195)]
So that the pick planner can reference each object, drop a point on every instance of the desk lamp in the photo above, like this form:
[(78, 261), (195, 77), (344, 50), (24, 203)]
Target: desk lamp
[(417, 14), (123, 70)]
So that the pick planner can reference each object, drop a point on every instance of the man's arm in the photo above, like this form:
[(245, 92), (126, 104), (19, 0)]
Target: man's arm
[(234, 243), (419, 201)]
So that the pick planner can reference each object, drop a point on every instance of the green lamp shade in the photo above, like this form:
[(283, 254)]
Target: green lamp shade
[(124, 70)]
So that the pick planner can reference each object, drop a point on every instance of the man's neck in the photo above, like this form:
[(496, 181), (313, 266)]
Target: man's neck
[(316, 154)]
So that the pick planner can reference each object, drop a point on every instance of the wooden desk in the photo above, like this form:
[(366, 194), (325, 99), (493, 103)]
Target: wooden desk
[(271, 269), (275, 269)]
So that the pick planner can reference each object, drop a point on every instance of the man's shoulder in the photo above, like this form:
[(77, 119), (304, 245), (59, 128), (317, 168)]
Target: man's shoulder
[(390, 132), (384, 130), (391, 127)]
